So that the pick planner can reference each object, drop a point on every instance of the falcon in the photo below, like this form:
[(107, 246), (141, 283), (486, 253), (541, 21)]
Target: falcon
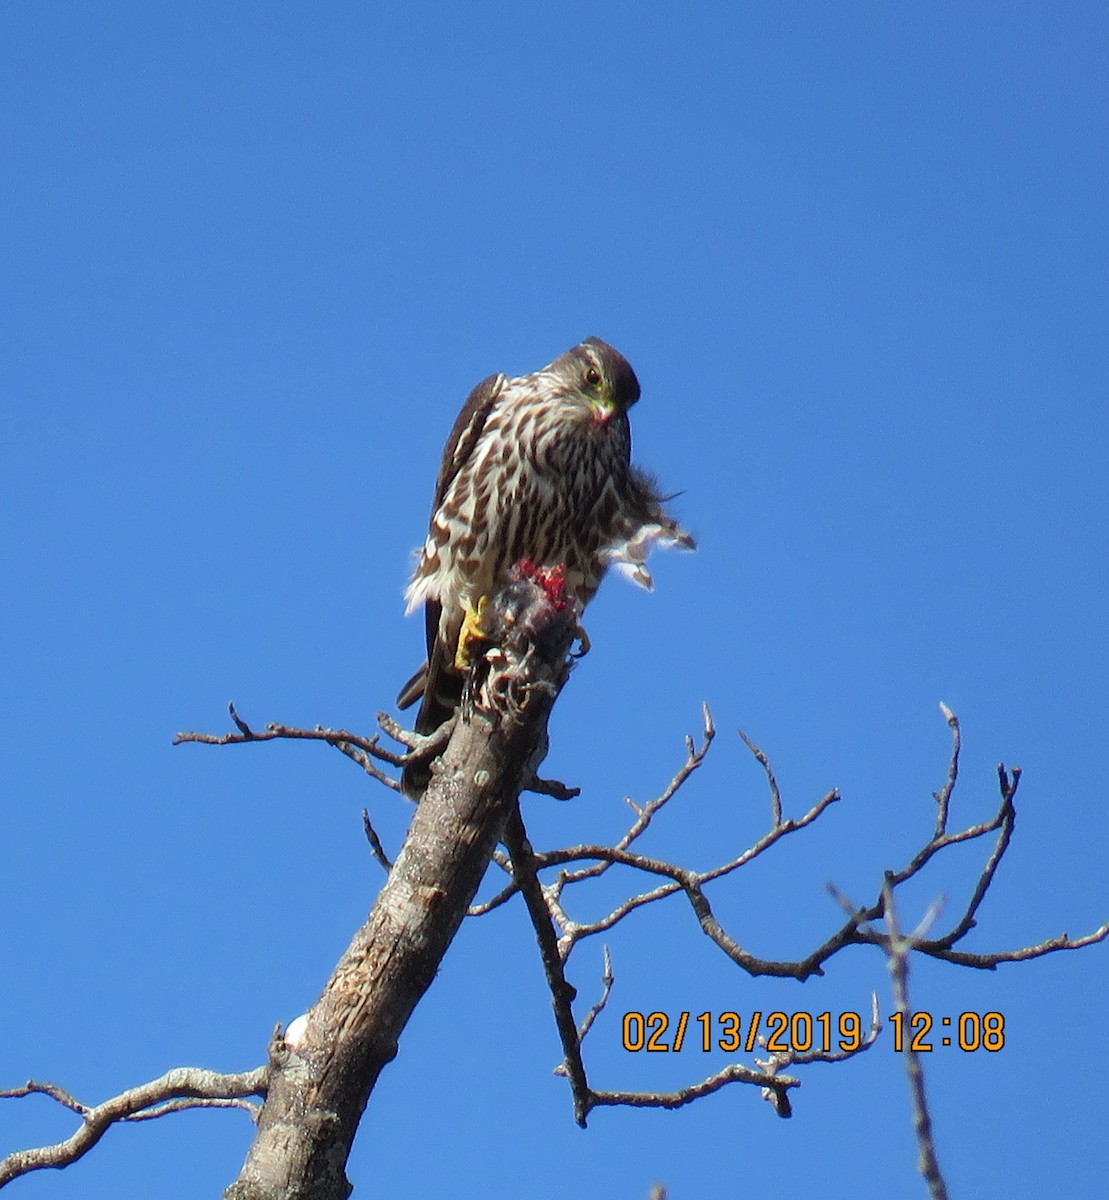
[(536, 471)]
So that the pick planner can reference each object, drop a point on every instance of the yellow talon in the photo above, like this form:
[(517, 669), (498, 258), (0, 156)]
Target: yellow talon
[(584, 644), (470, 632)]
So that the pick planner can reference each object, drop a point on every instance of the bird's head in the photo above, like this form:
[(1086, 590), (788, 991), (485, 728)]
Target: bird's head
[(598, 377)]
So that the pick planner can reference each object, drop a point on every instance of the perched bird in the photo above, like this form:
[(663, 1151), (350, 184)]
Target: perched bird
[(537, 469)]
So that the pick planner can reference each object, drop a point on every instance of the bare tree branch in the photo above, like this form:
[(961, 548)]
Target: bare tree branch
[(181, 1088), (607, 980), (317, 1082), (275, 730), (695, 756), (898, 949), (547, 906), (356, 747), (681, 880), (562, 992), (732, 1073), (361, 750), (855, 931), (796, 1058), (777, 1062), (320, 1085)]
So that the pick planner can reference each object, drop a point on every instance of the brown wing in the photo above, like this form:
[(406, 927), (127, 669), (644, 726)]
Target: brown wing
[(467, 429), (460, 445)]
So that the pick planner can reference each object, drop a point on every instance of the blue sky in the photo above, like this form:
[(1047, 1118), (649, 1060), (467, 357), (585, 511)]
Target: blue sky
[(255, 256)]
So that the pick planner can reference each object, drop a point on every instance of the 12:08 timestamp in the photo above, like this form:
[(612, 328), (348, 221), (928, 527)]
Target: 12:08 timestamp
[(969, 1031)]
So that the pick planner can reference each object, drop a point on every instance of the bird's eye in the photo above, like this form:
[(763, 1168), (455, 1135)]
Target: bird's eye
[(593, 377)]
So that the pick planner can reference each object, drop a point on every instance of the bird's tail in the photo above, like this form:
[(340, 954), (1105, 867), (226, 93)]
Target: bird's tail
[(440, 686)]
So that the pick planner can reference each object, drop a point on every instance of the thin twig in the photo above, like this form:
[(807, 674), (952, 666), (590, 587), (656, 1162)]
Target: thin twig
[(990, 962), (856, 929), (682, 879), (943, 796), (562, 992), (764, 762), (172, 1106), (899, 947), (694, 757), (782, 1061), (376, 848), (363, 760), (607, 980), (733, 1073), (487, 906), (275, 730), (1004, 822), (797, 1058)]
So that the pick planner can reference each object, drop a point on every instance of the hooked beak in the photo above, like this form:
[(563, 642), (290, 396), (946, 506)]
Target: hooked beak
[(603, 410)]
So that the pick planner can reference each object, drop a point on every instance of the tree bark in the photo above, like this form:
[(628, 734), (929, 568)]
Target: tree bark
[(317, 1090)]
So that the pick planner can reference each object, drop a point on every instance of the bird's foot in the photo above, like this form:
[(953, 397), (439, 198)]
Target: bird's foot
[(469, 633)]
